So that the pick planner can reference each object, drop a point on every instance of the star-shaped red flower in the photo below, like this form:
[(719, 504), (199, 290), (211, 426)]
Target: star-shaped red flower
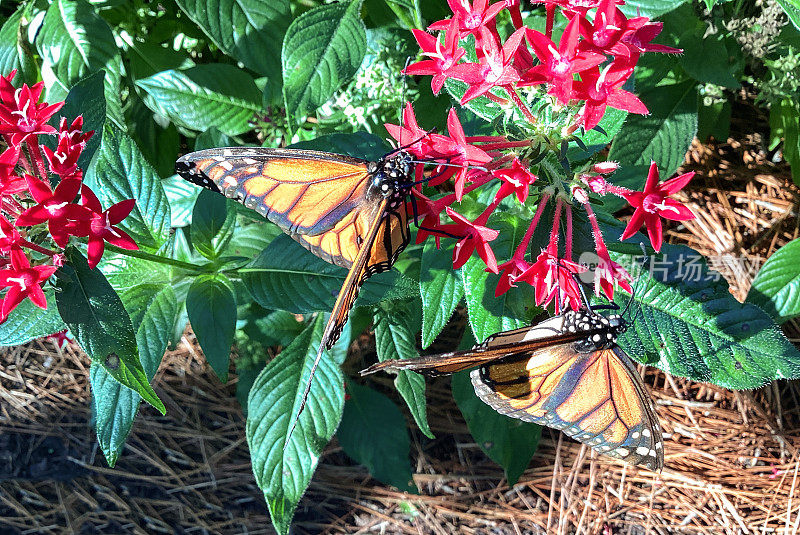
[(495, 68), (101, 227), (654, 203), (558, 64), (441, 57), (23, 281), (55, 207), (476, 238), (22, 115)]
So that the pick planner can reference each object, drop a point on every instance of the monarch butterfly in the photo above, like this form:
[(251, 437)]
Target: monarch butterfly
[(348, 211), (567, 373)]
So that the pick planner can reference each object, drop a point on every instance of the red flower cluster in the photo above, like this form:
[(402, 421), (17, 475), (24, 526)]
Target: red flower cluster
[(583, 73), (585, 70), (27, 199)]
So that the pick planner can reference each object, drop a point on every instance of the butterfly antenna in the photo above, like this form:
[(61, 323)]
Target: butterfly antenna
[(305, 395), (636, 282), (583, 293), (403, 97), (478, 167)]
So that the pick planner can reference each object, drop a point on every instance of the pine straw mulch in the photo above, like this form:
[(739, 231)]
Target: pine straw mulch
[(732, 458)]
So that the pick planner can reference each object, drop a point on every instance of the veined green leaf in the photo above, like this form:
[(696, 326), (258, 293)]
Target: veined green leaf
[(284, 473)]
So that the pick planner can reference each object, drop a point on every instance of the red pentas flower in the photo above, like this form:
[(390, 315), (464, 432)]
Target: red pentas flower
[(430, 212), (607, 273), (100, 227), (559, 64), (442, 58), (29, 200), (6, 89), (23, 116), (23, 281), (495, 68), (554, 280), (654, 203), (54, 206), (476, 238), (607, 28), (415, 140), (472, 17), (9, 182), (584, 81), (641, 31), (600, 89), (71, 142), (516, 180), (10, 238), (457, 151)]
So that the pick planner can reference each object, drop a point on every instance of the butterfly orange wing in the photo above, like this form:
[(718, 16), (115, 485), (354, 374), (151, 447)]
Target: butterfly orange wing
[(321, 200), (595, 397)]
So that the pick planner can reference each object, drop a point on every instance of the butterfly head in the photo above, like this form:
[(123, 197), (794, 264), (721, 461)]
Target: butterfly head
[(392, 174), (601, 331)]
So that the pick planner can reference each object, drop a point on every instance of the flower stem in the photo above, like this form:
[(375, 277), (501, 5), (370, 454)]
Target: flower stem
[(156, 258), (526, 240), (505, 145), (36, 155), (37, 248), (521, 105)]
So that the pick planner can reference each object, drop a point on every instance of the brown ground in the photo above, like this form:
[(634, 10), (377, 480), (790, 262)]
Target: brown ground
[(732, 461)]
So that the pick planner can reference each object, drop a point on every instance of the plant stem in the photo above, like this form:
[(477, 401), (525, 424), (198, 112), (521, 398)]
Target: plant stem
[(156, 258), (521, 105)]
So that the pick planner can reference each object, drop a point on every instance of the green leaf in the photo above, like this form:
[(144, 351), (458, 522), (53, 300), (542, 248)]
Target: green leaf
[(322, 50), (489, 314), (251, 31), (158, 144), (440, 288), (373, 433), (246, 377), (358, 145), (276, 328), (97, 318), (690, 325), (125, 273), (776, 288), (783, 122), (595, 141), (714, 120), (87, 99), (149, 57), (153, 308), (395, 338), (120, 172), (28, 322), (509, 442), (650, 8), (212, 138), (213, 221), (14, 55), (714, 58), (286, 276), (212, 312), (212, 95), (75, 42), (181, 196), (250, 240), (663, 136), (792, 10), (284, 473)]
